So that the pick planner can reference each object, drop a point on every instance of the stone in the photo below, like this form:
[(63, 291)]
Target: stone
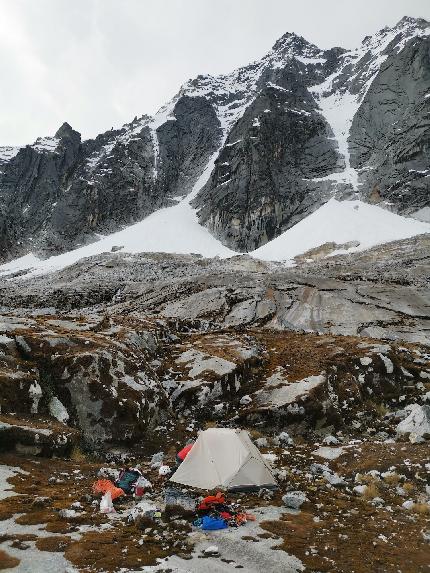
[(164, 471), (416, 423), (334, 479), (330, 440), (294, 499), (157, 460), (285, 439), (416, 438), (328, 453), (211, 551), (360, 489)]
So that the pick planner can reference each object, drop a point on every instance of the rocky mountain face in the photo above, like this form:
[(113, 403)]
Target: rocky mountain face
[(288, 132)]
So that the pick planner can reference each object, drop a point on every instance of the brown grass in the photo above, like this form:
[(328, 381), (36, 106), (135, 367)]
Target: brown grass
[(422, 508), (77, 455), (7, 561), (371, 491), (392, 479), (380, 409), (408, 487), (35, 517), (255, 434), (59, 543), (59, 527), (112, 550)]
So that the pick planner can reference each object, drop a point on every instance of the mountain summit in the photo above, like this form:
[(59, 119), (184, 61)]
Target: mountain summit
[(245, 155)]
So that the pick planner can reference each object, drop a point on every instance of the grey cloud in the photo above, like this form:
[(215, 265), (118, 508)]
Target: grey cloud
[(98, 63)]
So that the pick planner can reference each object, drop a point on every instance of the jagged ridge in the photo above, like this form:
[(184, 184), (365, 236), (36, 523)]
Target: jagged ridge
[(291, 130)]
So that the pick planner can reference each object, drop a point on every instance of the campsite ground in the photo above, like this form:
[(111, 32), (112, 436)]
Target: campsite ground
[(335, 530)]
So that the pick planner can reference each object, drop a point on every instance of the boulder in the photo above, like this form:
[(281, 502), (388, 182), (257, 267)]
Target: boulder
[(30, 437), (294, 499), (284, 439), (157, 460), (330, 440), (416, 424)]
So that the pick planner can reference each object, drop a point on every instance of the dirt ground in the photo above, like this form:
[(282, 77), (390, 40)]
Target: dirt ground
[(336, 530)]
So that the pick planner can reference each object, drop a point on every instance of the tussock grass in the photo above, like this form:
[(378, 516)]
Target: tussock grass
[(408, 487), (371, 491), (255, 434), (422, 508), (367, 478), (392, 479), (77, 455)]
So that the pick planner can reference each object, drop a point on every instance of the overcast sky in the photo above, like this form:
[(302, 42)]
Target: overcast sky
[(98, 63)]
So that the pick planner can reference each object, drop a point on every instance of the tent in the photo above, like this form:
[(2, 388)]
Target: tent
[(226, 459)]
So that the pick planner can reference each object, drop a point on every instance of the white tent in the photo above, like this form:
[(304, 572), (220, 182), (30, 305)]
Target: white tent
[(226, 459)]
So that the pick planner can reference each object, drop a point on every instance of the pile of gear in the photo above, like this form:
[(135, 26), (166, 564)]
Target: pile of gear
[(129, 482), (215, 513)]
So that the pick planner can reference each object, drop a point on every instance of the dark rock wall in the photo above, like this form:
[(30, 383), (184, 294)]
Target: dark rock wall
[(390, 134)]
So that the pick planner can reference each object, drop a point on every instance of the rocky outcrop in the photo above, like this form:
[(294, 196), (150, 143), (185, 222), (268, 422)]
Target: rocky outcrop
[(31, 184), (416, 425), (34, 437), (91, 376), (381, 293), (119, 348), (287, 154)]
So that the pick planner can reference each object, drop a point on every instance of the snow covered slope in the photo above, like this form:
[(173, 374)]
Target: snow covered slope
[(170, 230), (176, 230), (341, 94), (341, 222)]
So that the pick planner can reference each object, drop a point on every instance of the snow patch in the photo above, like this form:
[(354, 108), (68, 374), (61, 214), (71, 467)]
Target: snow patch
[(6, 472), (311, 61), (46, 144), (57, 410), (341, 222), (200, 362), (7, 153), (328, 453)]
